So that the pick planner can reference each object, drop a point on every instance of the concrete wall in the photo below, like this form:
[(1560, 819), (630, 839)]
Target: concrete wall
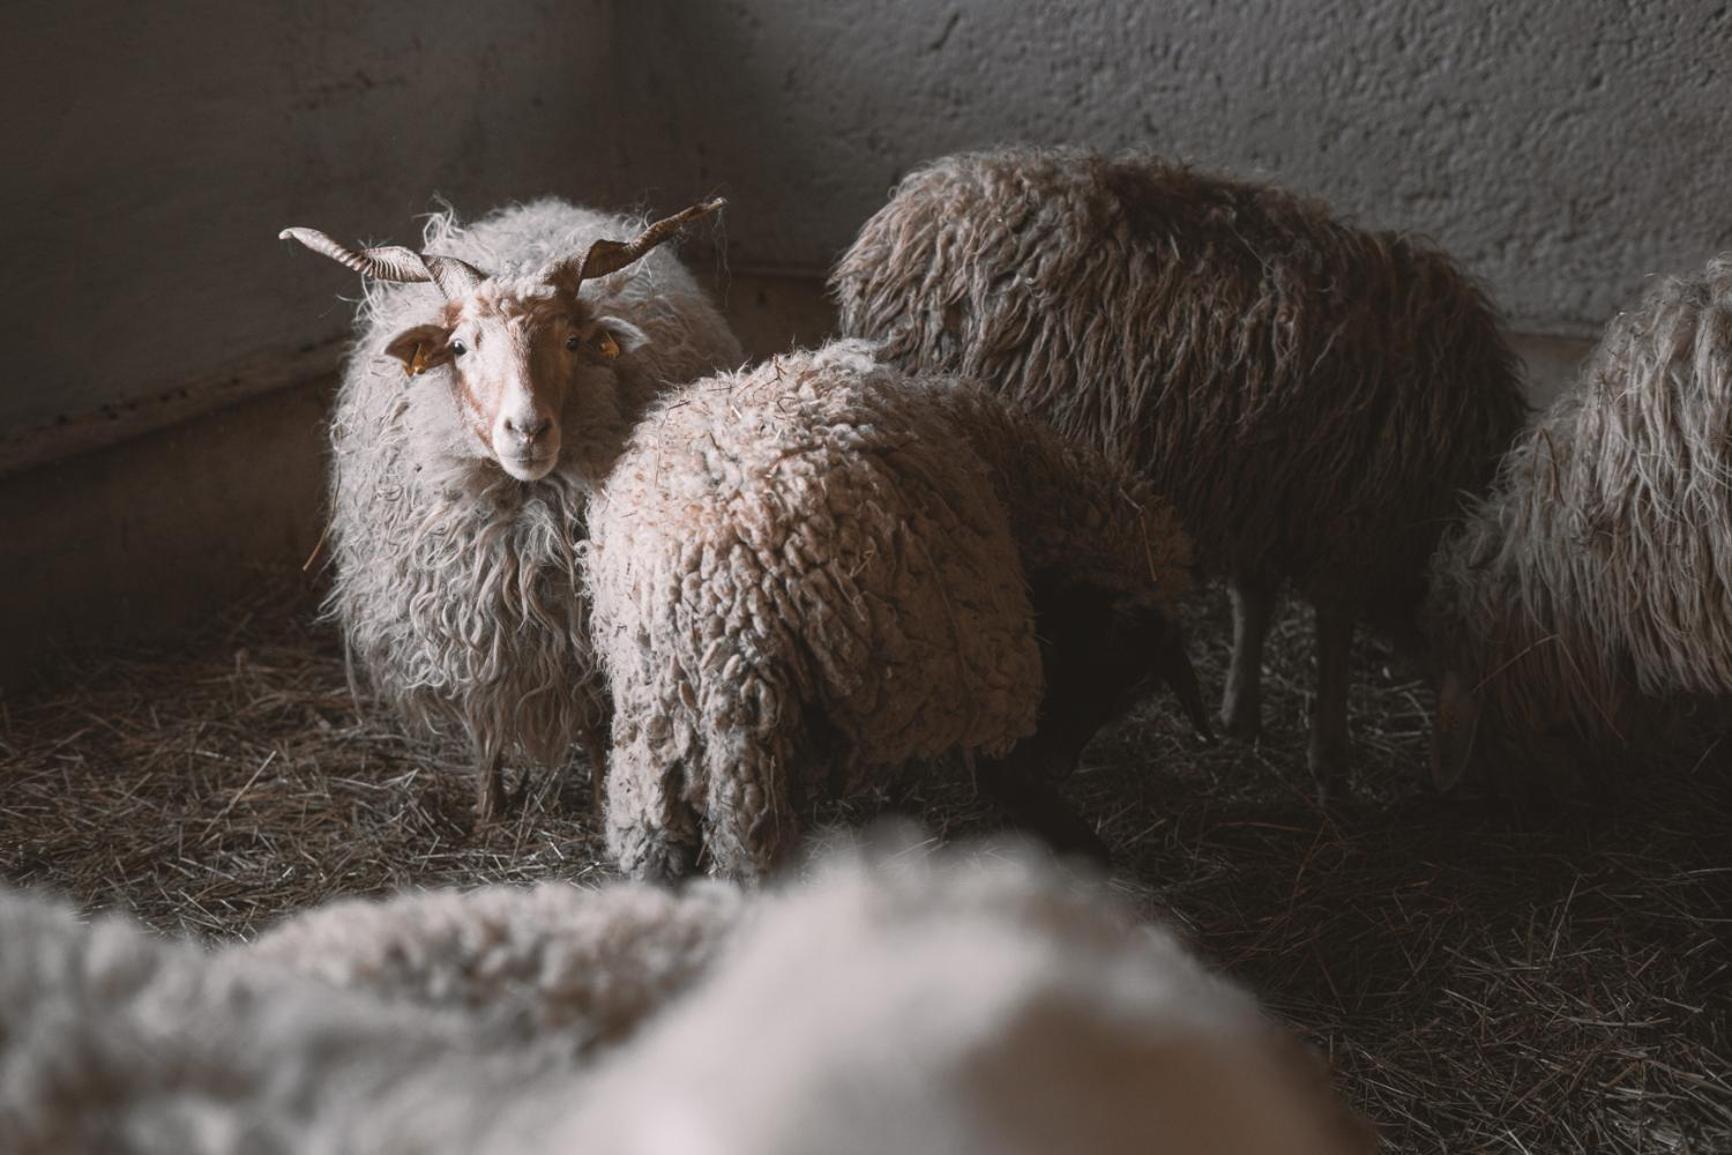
[(1563, 148)]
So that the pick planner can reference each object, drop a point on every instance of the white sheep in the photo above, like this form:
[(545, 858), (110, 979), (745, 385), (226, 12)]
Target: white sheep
[(821, 566), (468, 433), (977, 1004), (896, 1000), (1588, 600), (548, 961), (114, 1042)]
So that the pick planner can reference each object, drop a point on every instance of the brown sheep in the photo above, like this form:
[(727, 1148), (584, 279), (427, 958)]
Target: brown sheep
[(1314, 398)]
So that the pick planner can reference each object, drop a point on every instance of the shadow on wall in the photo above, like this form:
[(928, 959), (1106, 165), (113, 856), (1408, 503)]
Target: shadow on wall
[(768, 104), (146, 539), (171, 145)]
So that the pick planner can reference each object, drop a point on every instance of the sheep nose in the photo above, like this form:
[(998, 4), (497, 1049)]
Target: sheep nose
[(528, 429)]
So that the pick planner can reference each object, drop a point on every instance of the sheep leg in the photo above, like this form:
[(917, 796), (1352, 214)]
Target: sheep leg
[(595, 754), (490, 796), (753, 797), (1242, 703), (1327, 755), (651, 831)]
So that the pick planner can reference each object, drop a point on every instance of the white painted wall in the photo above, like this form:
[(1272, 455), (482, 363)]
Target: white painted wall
[(1564, 149)]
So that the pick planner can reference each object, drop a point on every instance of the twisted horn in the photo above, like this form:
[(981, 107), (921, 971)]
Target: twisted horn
[(455, 278), (606, 257)]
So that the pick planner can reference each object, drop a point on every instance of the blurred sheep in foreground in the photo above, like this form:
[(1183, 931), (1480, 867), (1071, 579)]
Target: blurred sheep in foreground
[(895, 1001)]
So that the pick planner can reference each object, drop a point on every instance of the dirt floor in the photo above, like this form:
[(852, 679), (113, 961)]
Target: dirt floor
[(1480, 985)]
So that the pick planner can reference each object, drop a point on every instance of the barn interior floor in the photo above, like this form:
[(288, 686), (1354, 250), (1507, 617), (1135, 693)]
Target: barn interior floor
[(1558, 984)]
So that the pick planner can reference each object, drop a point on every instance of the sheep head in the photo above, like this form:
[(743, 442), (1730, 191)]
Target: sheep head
[(518, 353)]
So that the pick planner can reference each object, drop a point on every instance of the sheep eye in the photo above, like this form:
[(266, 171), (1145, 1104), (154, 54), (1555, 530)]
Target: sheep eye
[(574, 342), (458, 348)]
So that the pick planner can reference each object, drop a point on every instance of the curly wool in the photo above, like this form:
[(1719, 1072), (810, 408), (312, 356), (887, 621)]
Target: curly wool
[(1595, 582), (1313, 398), (117, 1043), (553, 960), (900, 1000), (895, 1000), (456, 586), (816, 567)]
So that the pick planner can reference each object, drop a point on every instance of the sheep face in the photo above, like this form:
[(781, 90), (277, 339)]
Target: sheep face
[(521, 356), (522, 363)]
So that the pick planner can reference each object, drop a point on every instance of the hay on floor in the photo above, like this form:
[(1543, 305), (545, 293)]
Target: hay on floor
[(1479, 984)]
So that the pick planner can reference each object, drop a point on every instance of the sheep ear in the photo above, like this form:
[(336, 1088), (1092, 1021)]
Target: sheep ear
[(620, 336), (1453, 732), (421, 348)]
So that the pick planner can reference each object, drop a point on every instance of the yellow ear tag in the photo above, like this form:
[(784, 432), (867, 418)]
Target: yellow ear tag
[(606, 345), (418, 363)]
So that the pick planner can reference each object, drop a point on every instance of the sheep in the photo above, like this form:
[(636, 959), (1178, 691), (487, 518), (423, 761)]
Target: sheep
[(548, 961), (893, 999), (113, 1042), (1586, 601), (820, 566), (456, 503), (1312, 397), (963, 1002)]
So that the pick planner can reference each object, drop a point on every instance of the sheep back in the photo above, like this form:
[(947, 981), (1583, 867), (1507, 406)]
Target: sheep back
[(1312, 397), (1079, 519), (902, 1001), (797, 560)]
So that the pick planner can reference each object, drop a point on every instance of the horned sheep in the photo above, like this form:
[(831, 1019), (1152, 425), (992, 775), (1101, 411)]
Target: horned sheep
[(897, 999), (821, 566), (1314, 398), (1587, 603), (471, 425)]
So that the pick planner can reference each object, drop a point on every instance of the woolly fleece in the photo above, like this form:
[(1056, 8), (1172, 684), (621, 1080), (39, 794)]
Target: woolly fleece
[(811, 569), (457, 586), (1591, 592)]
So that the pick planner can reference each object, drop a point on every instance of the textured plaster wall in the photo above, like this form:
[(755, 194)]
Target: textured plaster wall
[(1563, 148)]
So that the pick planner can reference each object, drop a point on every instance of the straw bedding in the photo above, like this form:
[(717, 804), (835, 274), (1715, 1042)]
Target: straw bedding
[(1480, 985)]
